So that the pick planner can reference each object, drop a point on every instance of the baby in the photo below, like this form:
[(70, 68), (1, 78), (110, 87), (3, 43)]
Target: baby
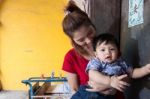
[(108, 62)]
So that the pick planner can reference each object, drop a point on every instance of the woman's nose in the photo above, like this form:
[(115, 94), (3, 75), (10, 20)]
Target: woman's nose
[(87, 40)]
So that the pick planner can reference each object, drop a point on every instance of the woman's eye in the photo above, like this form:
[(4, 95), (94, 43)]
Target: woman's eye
[(81, 40), (90, 33)]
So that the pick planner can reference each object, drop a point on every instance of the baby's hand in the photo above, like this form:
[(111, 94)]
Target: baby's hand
[(147, 68), (118, 83)]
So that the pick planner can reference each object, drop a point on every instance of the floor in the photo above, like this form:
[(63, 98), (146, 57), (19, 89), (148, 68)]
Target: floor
[(13, 95), (61, 88)]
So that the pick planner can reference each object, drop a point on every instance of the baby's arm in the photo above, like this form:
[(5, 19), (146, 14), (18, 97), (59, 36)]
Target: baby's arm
[(141, 72), (113, 81)]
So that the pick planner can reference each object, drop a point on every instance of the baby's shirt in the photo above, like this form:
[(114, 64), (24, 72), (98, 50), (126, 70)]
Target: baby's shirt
[(117, 68)]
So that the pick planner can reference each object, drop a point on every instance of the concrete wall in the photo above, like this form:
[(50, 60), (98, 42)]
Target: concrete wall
[(135, 47)]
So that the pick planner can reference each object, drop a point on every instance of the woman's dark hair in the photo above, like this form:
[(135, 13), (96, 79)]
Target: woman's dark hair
[(74, 19), (107, 38)]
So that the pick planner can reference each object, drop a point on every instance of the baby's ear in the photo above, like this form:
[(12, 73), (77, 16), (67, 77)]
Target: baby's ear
[(95, 53), (119, 54)]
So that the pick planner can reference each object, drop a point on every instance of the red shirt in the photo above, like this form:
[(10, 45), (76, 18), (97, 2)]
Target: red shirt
[(74, 63)]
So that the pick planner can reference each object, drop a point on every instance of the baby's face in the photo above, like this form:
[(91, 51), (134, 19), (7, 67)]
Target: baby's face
[(107, 52)]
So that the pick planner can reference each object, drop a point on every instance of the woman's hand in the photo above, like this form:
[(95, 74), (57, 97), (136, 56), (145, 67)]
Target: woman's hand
[(95, 87), (73, 81), (119, 83)]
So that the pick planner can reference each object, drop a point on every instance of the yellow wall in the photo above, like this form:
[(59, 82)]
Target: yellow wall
[(32, 42)]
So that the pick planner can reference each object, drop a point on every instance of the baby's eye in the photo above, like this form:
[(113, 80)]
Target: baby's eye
[(102, 50), (112, 49)]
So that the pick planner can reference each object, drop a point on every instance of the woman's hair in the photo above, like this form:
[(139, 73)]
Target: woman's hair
[(107, 38), (74, 19)]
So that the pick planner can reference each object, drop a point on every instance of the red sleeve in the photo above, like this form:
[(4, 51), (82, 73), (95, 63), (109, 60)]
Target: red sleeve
[(68, 64)]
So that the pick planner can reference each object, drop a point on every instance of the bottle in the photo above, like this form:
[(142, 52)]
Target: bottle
[(52, 74), (42, 76)]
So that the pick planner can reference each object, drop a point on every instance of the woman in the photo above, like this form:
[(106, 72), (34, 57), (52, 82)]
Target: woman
[(79, 28)]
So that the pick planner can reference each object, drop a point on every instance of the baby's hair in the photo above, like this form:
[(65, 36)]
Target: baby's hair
[(105, 37)]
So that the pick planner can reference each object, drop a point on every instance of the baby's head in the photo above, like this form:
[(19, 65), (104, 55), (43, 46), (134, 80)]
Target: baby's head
[(106, 48)]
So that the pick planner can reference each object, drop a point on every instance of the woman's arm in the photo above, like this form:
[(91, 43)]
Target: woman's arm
[(73, 81), (106, 82), (98, 77), (96, 87)]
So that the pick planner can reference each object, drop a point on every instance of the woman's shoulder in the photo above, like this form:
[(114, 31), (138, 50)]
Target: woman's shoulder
[(71, 52)]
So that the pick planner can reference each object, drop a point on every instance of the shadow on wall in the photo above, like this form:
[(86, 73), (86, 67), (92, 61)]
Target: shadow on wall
[(0, 82), (0, 79), (137, 53), (144, 54), (1, 3), (131, 56)]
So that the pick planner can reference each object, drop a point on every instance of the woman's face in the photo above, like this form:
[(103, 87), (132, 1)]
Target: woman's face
[(84, 36)]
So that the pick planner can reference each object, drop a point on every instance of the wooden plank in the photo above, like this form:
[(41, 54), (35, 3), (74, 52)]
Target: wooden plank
[(43, 88), (35, 87), (105, 15)]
